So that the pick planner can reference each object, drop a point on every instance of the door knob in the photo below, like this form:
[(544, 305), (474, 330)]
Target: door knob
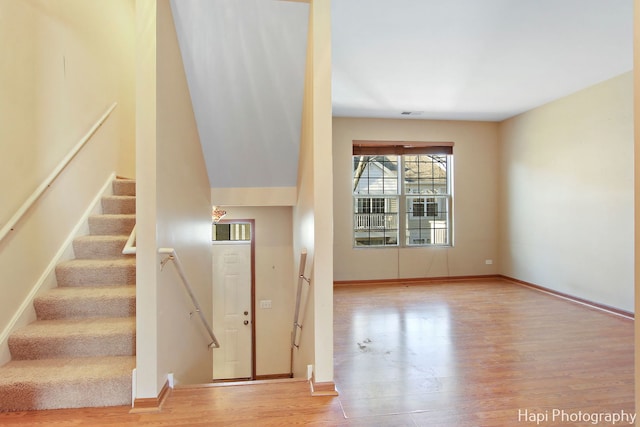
[(246, 322)]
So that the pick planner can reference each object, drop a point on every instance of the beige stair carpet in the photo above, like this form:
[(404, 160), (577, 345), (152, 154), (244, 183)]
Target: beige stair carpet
[(66, 383), (84, 337), (81, 350), (82, 272), (111, 224), (86, 301), (97, 247)]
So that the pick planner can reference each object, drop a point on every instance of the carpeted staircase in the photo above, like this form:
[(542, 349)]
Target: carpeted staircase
[(81, 350)]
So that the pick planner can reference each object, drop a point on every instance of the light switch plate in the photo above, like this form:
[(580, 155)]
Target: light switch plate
[(265, 303)]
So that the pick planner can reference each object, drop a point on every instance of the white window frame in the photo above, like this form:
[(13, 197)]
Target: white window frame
[(436, 236)]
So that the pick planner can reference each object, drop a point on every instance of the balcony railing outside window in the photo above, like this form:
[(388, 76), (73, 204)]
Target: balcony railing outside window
[(367, 221)]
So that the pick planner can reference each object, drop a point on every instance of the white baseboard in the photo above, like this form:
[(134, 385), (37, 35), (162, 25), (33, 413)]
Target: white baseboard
[(26, 314)]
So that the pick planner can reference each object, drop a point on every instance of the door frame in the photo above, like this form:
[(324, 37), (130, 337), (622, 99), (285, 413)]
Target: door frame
[(253, 285)]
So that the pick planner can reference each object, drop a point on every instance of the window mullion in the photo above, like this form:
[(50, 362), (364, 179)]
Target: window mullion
[(402, 204)]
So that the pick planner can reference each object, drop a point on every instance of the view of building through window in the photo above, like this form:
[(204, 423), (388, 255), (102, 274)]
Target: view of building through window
[(402, 199)]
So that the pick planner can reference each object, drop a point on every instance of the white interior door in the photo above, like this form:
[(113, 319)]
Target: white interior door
[(232, 311)]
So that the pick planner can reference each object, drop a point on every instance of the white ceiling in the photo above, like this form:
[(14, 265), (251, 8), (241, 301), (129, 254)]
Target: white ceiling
[(472, 59), (244, 61), (441, 59)]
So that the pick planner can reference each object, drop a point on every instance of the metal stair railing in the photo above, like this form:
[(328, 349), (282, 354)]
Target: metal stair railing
[(171, 255), (297, 325)]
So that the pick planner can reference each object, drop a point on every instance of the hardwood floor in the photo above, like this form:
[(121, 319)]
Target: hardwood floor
[(477, 353), (474, 353), (277, 403)]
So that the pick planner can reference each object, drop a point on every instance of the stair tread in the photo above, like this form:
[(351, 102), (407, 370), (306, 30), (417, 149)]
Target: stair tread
[(50, 371), (125, 181), (86, 302), (100, 246), (118, 204), (124, 187), (119, 197), (97, 263), (66, 382), (102, 238), (113, 215), (111, 223), (83, 292), (68, 328), (89, 285)]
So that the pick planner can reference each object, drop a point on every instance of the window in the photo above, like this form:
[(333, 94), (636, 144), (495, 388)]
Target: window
[(223, 232), (375, 189), (432, 207), (370, 205), (402, 194)]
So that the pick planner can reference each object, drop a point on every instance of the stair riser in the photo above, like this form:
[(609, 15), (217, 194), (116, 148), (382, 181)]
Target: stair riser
[(78, 308), (111, 226), (118, 205), (99, 249), (124, 188), (112, 392), (103, 275), (71, 346)]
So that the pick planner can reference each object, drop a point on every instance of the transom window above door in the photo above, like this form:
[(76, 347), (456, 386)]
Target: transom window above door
[(232, 232)]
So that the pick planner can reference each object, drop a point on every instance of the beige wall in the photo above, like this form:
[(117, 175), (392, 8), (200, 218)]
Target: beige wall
[(184, 214), (313, 219), (322, 267), (147, 382), (566, 175), (303, 223), (174, 212), (273, 267), (475, 202), (254, 196), (65, 63)]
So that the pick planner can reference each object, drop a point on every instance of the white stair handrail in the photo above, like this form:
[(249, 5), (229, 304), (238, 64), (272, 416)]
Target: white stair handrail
[(173, 256), (13, 221), (130, 246)]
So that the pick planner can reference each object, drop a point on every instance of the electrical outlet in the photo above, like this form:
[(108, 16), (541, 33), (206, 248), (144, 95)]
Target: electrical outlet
[(488, 261), (265, 303)]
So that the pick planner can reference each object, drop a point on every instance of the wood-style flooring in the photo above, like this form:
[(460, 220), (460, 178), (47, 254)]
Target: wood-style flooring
[(469, 353), (477, 353)]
